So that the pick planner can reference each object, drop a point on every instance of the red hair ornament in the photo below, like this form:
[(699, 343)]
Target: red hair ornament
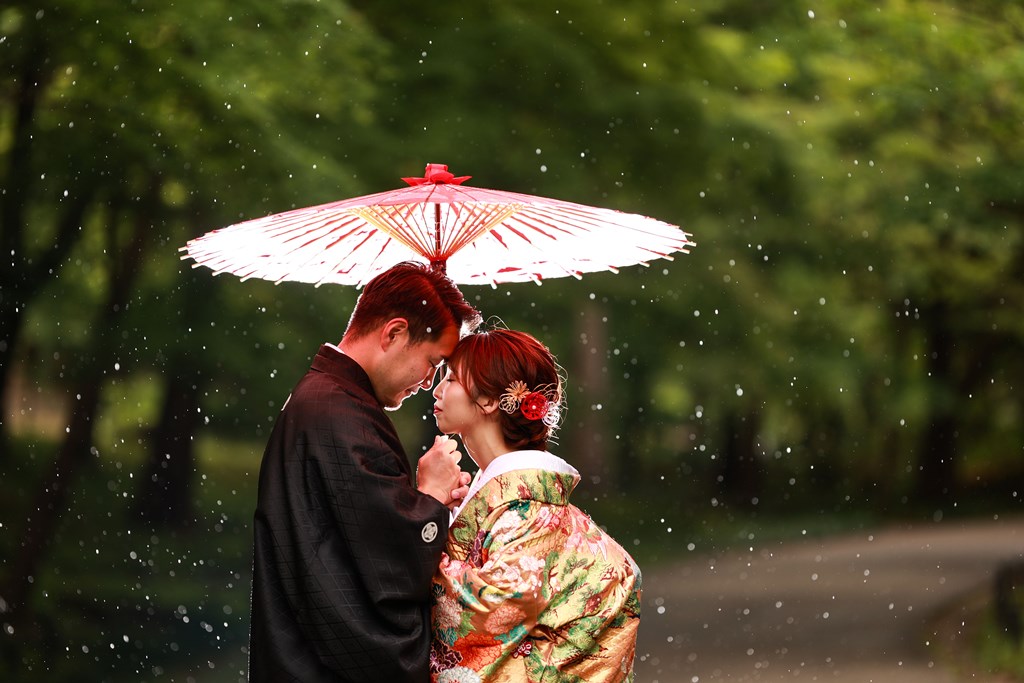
[(534, 406), (541, 404)]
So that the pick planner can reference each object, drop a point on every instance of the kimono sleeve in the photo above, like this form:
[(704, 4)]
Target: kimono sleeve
[(539, 597), (486, 605)]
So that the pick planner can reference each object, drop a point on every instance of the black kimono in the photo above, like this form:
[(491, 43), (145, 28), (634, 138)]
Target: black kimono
[(344, 545)]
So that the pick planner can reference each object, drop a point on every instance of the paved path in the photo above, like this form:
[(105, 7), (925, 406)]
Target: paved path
[(857, 608)]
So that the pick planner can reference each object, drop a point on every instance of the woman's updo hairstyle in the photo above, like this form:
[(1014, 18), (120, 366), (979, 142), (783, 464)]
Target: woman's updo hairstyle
[(490, 363)]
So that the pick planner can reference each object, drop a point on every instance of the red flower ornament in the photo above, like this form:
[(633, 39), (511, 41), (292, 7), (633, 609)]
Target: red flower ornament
[(534, 406), (437, 174)]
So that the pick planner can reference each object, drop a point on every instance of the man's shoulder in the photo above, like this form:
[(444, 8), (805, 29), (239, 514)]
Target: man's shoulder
[(317, 392), (321, 399)]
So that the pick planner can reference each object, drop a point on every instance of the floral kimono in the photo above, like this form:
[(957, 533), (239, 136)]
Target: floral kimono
[(529, 588)]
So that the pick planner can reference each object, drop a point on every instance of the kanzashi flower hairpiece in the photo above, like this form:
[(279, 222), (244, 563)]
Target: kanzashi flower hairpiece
[(538, 404)]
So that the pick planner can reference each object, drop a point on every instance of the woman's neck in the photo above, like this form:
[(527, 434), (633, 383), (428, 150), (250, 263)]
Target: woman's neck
[(484, 445)]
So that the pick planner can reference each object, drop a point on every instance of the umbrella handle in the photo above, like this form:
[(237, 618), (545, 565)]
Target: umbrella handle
[(437, 263)]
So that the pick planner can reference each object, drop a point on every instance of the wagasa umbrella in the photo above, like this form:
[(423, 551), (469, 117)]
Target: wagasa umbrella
[(476, 235)]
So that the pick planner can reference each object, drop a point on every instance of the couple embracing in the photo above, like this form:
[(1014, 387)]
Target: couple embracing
[(367, 571)]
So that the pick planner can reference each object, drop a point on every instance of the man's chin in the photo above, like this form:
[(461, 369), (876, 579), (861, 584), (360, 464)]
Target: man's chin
[(396, 402)]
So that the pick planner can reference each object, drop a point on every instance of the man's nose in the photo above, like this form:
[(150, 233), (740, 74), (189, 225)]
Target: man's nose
[(435, 376)]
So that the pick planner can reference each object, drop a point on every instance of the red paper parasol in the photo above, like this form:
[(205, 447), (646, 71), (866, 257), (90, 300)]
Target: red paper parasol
[(477, 235)]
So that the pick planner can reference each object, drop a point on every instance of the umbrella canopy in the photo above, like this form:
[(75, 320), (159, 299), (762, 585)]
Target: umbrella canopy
[(477, 235)]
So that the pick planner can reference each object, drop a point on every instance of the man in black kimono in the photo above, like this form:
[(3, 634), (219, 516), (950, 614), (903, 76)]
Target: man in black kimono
[(345, 543)]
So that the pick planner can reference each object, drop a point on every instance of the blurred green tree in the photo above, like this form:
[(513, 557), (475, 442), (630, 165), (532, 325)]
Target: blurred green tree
[(912, 174), (116, 140)]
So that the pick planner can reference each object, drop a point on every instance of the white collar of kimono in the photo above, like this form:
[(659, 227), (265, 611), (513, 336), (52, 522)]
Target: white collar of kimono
[(515, 460)]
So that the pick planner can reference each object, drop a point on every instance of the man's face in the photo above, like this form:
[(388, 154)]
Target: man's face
[(412, 367)]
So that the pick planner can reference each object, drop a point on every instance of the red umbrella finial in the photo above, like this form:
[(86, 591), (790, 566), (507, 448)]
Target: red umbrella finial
[(438, 175)]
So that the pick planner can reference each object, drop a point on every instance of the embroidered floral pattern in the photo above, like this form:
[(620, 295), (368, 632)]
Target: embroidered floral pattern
[(459, 674), (504, 619), (480, 650), (442, 657), (544, 594), (447, 613), (477, 555)]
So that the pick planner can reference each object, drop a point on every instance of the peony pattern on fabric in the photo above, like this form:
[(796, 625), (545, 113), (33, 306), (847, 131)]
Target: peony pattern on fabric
[(530, 589)]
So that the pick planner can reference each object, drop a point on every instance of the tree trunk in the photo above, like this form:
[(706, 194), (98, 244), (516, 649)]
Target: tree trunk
[(47, 508), (590, 454), (15, 284), (742, 474), (164, 497), (937, 459), (20, 285), (48, 505), (11, 319)]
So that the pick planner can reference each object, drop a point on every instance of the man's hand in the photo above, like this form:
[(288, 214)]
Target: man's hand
[(438, 473)]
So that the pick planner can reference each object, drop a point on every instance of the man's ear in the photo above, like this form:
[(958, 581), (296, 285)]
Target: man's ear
[(393, 332)]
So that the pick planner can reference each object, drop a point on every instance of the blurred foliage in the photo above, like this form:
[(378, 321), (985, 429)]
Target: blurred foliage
[(842, 344), (120, 601), (994, 652)]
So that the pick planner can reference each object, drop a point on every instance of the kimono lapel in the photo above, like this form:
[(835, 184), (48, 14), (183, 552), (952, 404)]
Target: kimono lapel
[(517, 476)]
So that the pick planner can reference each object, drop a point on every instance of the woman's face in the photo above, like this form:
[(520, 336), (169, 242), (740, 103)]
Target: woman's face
[(454, 409)]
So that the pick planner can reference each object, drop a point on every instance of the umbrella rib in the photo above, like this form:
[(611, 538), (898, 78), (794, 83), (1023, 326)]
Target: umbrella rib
[(548, 257), (349, 241), (339, 268), (385, 222), (469, 231)]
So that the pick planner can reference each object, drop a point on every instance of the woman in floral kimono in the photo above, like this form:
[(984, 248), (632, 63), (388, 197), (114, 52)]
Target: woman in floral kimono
[(529, 588)]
